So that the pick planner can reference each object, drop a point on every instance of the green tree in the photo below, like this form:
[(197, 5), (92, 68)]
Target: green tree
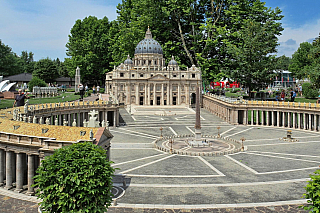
[(35, 81), (314, 68), (301, 60), (282, 63), (76, 178), (27, 61), (88, 47), (252, 58), (9, 61), (313, 193), (46, 70)]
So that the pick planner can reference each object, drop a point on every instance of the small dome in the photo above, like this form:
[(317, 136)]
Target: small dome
[(128, 61), (148, 45), (173, 62)]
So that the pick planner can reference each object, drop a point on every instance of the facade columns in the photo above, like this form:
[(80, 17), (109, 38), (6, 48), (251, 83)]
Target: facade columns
[(137, 94), (2, 166), (30, 174), (148, 99), (19, 172), (145, 94), (154, 94), (9, 169), (162, 95), (179, 101)]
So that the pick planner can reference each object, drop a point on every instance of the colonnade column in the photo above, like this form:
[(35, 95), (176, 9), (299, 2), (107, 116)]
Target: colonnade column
[(305, 120), (278, 119), (289, 119), (310, 122), (252, 117), (283, 119), (9, 169), (114, 118), (19, 172), (299, 120), (267, 118), (294, 120), (148, 101), (2, 167), (30, 174)]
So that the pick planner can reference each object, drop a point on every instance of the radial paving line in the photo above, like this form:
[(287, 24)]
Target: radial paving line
[(240, 132), (190, 129), (147, 164), (291, 143), (241, 164), (140, 133), (272, 156), (117, 164), (228, 130), (290, 170), (210, 166), (138, 185), (172, 130), (311, 156), (132, 134)]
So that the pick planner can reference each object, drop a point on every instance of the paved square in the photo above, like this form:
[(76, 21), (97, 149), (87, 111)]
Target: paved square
[(270, 170)]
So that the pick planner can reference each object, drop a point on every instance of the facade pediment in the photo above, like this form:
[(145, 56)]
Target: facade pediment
[(158, 77)]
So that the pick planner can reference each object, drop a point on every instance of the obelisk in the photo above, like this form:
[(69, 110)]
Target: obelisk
[(198, 125)]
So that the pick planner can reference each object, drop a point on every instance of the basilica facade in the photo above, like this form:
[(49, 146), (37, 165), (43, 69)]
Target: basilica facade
[(146, 80)]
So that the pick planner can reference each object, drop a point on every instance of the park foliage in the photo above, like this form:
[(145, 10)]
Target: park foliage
[(313, 193), (76, 178)]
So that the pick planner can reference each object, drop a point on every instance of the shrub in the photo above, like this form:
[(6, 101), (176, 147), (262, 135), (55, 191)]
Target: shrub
[(76, 178), (309, 91), (313, 192), (35, 81)]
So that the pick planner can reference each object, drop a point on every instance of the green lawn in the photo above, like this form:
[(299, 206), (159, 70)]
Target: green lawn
[(8, 103)]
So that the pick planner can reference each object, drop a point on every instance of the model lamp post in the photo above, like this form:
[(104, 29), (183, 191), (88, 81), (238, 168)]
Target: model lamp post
[(242, 140), (161, 131), (218, 131), (171, 142)]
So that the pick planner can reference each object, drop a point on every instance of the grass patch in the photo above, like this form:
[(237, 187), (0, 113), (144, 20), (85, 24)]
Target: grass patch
[(8, 103)]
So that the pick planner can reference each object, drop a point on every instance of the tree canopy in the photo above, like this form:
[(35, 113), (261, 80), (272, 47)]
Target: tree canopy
[(306, 62), (46, 70), (9, 61), (88, 47)]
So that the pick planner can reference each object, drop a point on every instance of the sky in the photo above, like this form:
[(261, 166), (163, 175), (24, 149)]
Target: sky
[(43, 26)]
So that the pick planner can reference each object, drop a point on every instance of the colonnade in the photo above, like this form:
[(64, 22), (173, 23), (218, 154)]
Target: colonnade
[(289, 115), (17, 169)]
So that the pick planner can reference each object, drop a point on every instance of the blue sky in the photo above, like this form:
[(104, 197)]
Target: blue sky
[(43, 26)]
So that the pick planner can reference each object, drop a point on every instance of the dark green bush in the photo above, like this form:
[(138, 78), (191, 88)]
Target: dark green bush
[(309, 91), (35, 81), (76, 178), (313, 192)]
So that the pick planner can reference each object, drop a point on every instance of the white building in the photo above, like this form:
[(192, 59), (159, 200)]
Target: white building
[(146, 80)]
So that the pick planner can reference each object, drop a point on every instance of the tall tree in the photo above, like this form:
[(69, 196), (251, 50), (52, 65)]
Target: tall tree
[(46, 70), (88, 47), (27, 61), (282, 63), (9, 61), (300, 61)]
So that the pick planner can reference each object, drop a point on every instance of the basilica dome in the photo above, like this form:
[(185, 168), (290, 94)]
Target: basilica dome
[(148, 45)]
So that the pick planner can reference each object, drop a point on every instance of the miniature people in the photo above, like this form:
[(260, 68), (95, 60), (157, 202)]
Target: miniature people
[(278, 97), (318, 101), (300, 90), (19, 99), (283, 95), (292, 95), (87, 88), (81, 90), (94, 89), (98, 90)]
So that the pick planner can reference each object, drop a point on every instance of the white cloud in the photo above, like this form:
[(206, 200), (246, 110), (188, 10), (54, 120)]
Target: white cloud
[(307, 32), (44, 26)]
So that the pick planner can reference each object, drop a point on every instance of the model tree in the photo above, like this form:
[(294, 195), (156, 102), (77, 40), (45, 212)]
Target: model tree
[(76, 178)]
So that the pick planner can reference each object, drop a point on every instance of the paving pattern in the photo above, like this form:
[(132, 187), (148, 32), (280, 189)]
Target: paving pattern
[(269, 171)]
